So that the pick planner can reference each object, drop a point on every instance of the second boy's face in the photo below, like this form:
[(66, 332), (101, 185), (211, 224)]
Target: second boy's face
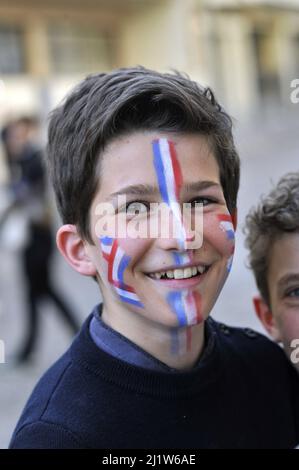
[(283, 281), (129, 268)]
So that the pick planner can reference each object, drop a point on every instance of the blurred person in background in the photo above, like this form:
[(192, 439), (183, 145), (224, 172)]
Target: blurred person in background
[(28, 189), (272, 230)]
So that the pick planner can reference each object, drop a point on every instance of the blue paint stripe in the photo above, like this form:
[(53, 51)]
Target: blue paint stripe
[(174, 342), (177, 259), (106, 240), (229, 265), (122, 266), (176, 303), (159, 167), (230, 234), (131, 301)]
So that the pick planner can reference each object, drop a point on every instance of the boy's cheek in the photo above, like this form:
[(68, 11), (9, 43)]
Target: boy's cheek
[(219, 232), (288, 324), (133, 249)]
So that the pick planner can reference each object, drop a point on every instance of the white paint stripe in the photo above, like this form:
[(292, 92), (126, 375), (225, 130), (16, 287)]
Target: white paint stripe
[(168, 169), (226, 225), (125, 293), (170, 184), (190, 309), (118, 256), (106, 249)]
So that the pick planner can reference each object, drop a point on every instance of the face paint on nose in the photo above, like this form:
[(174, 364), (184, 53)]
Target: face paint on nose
[(182, 259), (118, 261), (170, 180)]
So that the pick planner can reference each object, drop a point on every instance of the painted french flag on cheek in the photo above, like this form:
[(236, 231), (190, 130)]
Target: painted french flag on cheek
[(226, 225), (118, 261), (106, 245)]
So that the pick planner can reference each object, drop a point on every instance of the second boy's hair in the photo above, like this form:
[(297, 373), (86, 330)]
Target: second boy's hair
[(107, 105), (276, 214)]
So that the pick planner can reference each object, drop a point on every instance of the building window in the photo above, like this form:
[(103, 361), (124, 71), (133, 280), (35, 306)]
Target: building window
[(77, 49), (11, 50)]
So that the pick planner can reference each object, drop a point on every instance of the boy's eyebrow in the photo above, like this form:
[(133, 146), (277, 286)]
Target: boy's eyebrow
[(289, 277), (149, 190)]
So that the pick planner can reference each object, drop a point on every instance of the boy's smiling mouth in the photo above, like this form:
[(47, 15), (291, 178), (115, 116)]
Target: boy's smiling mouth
[(180, 277)]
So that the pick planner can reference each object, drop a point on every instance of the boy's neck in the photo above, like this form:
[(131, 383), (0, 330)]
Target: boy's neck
[(179, 348)]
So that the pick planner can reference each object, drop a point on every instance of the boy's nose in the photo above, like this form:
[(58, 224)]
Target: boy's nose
[(177, 230), (180, 238), (187, 236)]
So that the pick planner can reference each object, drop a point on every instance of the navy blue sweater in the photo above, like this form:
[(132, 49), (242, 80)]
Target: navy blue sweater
[(243, 394)]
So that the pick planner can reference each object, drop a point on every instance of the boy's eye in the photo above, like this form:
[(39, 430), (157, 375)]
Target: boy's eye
[(203, 200), (140, 207), (293, 292), (136, 208)]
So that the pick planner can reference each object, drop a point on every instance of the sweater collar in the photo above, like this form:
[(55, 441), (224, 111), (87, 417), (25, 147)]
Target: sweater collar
[(112, 369)]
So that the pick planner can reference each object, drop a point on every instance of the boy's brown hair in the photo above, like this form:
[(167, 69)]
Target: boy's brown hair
[(276, 214), (107, 105)]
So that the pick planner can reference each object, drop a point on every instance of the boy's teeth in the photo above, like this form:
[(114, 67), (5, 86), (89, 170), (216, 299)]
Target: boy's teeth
[(178, 273), (183, 273), (200, 269), (187, 272)]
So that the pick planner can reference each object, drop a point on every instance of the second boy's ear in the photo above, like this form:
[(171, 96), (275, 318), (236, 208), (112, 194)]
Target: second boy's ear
[(266, 317), (73, 249)]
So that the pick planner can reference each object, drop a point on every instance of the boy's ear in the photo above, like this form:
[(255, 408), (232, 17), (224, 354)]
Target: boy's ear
[(266, 317), (73, 249), (234, 216)]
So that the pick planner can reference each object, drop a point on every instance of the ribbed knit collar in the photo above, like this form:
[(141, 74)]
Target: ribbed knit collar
[(86, 354)]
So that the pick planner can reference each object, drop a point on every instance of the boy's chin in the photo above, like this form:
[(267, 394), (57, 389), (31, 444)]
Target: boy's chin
[(166, 318)]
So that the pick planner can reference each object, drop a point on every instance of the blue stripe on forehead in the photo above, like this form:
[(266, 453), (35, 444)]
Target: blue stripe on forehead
[(160, 171)]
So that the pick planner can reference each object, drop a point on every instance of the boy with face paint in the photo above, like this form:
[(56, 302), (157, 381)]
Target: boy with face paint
[(146, 177), (273, 240)]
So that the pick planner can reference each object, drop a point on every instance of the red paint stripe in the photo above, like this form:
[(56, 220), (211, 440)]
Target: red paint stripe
[(197, 299), (225, 218), (111, 260), (105, 256), (123, 286), (189, 338), (189, 299), (176, 170)]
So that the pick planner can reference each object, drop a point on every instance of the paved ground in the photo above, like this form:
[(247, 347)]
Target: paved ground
[(267, 152)]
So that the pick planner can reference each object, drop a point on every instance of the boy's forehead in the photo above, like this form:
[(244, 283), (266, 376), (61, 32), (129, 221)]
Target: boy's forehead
[(128, 161), (284, 259)]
